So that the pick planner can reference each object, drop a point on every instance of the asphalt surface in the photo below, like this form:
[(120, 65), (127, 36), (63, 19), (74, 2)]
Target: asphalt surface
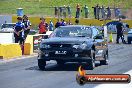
[(25, 73)]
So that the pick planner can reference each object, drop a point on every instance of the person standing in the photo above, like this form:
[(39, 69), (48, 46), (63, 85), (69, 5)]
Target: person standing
[(77, 11), (58, 23), (119, 28), (96, 11), (19, 33), (56, 11), (27, 24), (42, 26), (103, 12), (69, 11), (51, 26), (69, 22), (117, 12), (63, 23), (64, 11), (61, 10), (86, 11), (108, 13), (77, 21)]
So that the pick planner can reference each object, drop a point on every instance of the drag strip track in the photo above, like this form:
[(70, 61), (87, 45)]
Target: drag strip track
[(25, 73)]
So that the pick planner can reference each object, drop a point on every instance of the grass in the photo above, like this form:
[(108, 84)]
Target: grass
[(41, 7)]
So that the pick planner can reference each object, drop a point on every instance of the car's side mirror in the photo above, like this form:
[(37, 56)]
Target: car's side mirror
[(45, 37), (98, 37)]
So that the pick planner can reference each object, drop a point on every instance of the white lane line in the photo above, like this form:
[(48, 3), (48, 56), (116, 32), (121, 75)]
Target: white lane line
[(117, 85)]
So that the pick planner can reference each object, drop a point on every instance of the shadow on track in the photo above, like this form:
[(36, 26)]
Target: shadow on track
[(65, 67)]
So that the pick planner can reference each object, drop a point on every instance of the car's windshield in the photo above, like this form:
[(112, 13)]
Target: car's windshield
[(7, 26), (72, 32)]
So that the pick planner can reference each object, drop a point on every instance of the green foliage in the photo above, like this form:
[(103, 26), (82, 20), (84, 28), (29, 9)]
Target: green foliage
[(41, 7)]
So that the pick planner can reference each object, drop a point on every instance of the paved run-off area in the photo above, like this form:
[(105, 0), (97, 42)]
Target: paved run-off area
[(24, 73)]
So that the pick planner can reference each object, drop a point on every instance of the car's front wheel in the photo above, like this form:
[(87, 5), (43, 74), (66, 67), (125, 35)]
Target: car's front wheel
[(105, 61), (91, 62), (41, 64), (129, 41)]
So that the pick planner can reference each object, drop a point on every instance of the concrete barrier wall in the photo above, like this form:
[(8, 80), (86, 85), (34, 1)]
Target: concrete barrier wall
[(83, 21), (28, 48), (11, 50)]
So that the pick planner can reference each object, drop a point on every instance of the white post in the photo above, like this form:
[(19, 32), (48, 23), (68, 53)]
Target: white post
[(105, 32)]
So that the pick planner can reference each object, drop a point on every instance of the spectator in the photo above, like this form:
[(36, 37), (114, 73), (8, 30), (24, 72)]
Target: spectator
[(69, 11), (77, 11), (58, 23), (42, 26), (77, 21), (119, 27), (27, 24), (64, 11), (51, 26), (69, 23), (61, 10), (117, 12), (86, 11), (108, 13), (96, 11), (63, 23), (56, 11), (103, 12), (19, 33)]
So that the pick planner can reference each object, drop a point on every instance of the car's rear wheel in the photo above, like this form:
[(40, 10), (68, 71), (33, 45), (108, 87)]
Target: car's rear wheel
[(60, 62), (41, 64), (91, 62), (105, 61)]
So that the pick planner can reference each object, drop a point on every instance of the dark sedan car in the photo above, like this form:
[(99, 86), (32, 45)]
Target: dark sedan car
[(73, 43), (129, 37)]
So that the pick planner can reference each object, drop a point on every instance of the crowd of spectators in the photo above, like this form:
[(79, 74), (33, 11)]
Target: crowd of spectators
[(64, 11), (100, 12), (44, 26)]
